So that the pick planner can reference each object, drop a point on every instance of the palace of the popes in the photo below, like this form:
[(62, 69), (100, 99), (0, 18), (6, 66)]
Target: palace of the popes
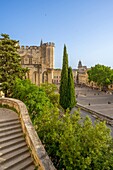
[(40, 61)]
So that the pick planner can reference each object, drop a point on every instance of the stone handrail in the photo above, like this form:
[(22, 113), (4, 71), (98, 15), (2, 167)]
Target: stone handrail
[(41, 159)]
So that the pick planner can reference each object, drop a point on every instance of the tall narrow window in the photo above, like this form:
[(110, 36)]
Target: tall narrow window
[(30, 60)]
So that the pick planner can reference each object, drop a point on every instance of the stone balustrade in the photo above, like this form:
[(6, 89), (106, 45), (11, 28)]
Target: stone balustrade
[(41, 159)]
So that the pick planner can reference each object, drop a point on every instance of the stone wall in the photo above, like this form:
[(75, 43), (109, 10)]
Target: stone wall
[(38, 152)]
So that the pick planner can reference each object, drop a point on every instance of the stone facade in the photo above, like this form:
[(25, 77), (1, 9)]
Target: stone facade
[(40, 61), (82, 76), (57, 76)]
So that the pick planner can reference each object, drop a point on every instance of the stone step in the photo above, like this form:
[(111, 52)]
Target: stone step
[(11, 142), (8, 120), (8, 138), (13, 154), (30, 167), (5, 129), (12, 148), (9, 133), (7, 124), (9, 164), (27, 164)]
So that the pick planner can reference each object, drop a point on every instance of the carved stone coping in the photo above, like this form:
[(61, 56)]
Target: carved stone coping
[(38, 152)]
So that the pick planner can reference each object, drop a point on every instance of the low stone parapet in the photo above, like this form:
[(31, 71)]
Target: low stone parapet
[(108, 119), (41, 159)]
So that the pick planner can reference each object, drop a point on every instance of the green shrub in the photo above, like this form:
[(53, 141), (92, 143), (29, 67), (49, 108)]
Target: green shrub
[(72, 144)]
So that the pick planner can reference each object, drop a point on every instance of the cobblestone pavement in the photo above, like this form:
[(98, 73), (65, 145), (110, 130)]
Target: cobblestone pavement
[(95, 100)]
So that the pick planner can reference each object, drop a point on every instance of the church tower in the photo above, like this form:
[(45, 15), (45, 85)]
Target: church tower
[(79, 64)]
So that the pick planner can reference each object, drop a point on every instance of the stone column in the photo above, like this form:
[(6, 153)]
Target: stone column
[(39, 74)]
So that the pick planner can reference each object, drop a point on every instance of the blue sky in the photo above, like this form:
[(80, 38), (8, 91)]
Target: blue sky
[(85, 26)]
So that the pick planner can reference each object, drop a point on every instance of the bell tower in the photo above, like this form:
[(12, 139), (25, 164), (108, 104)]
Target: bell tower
[(79, 64)]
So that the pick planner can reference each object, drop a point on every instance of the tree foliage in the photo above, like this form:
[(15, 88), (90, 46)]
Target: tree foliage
[(10, 66), (72, 143), (52, 92), (64, 80), (67, 91), (102, 75), (71, 90), (33, 96)]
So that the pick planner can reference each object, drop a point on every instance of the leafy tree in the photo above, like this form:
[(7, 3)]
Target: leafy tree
[(72, 143), (102, 75), (10, 66), (52, 92), (75, 145), (33, 96), (71, 89), (64, 81), (91, 146)]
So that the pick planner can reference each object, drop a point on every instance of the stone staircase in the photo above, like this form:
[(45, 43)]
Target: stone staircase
[(14, 153)]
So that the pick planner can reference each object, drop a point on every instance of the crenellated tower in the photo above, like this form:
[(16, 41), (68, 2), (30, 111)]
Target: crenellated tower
[(47, 54), (39, 60)]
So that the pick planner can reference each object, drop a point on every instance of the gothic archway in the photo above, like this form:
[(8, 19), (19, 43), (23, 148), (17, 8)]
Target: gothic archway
[(35, 77), (44, 77)]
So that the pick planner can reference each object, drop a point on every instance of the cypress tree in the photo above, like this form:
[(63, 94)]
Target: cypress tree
[(71, 90), (64, 81)]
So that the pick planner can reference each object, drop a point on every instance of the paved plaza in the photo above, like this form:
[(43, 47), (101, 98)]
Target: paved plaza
[(95, 100)]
